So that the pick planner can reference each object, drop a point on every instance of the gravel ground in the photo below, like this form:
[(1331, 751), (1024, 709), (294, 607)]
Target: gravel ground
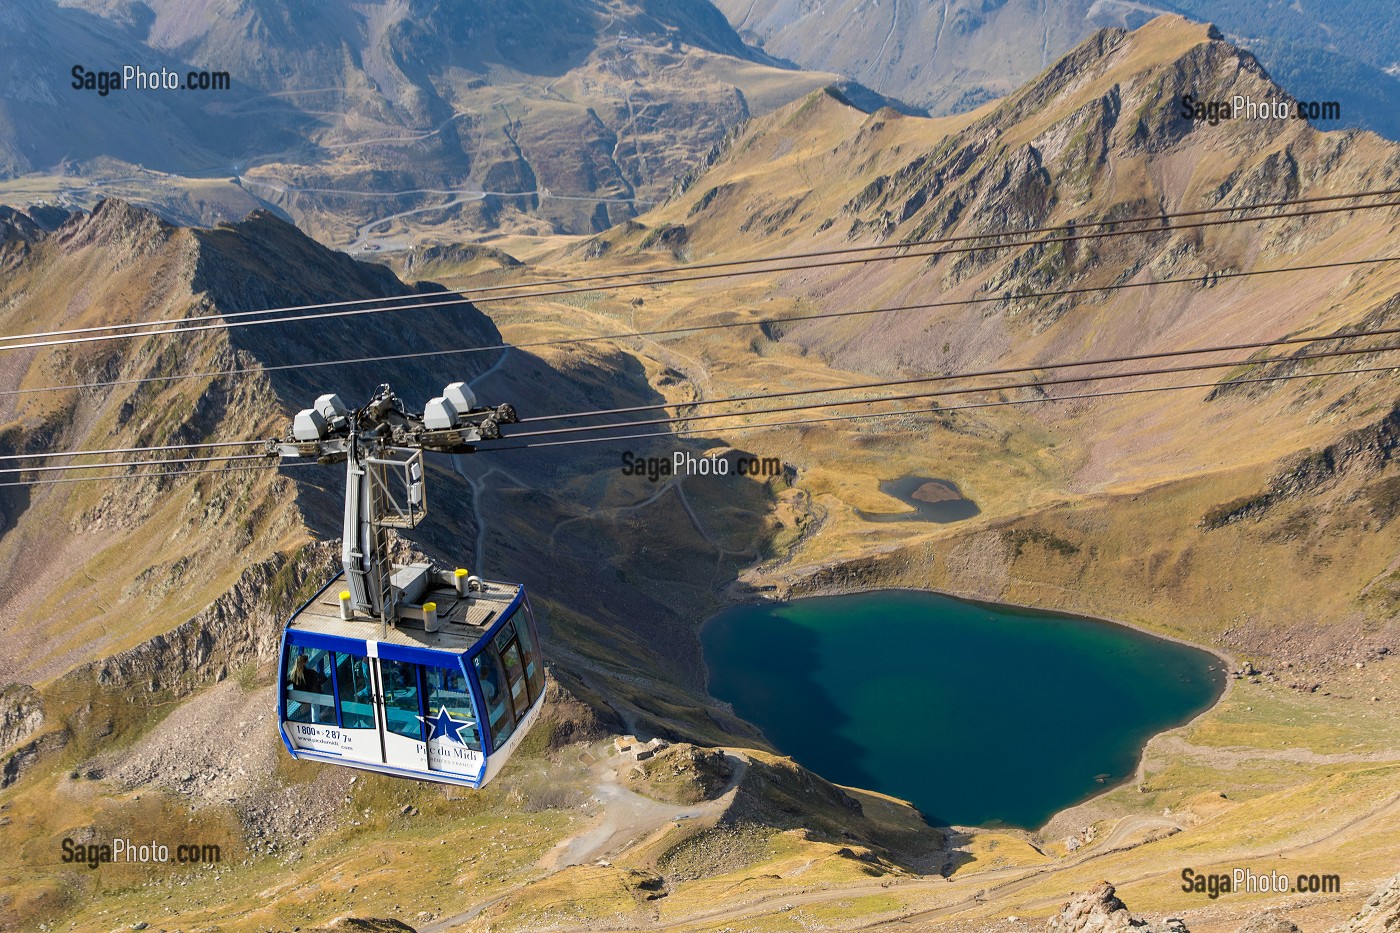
[(222, 747)]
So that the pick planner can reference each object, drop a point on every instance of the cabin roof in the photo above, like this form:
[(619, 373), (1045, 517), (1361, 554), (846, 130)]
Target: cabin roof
[(462, 620)]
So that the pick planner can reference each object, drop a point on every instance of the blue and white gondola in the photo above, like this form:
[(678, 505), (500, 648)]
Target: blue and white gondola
[(445, 697)]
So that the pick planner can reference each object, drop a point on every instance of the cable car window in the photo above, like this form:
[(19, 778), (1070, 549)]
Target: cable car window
[(401, 698), (356, 691), (493, 689), (534, 670), (309, 686), (447, 689), (515, 674)]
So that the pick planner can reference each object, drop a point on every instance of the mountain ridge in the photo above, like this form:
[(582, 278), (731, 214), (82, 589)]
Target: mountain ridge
[(955, 56)]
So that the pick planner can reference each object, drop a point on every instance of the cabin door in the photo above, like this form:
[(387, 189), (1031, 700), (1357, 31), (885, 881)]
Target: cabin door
[(360, 712), (399, 707)]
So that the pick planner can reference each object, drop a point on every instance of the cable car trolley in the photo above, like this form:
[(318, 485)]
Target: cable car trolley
[(413, 670)]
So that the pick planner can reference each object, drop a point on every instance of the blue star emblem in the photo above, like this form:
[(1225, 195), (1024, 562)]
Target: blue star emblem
[(444, 726)]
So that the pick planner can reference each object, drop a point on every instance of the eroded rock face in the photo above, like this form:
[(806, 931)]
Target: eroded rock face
[(1381, 914), (1099, 910), (21, 714), (241, 626)]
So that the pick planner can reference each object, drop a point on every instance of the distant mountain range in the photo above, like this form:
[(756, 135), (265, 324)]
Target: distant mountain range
[(951, 55), (1095, 138), (382, 125), (538, 115)]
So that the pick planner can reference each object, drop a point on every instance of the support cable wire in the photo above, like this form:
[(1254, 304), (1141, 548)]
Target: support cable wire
[(939, 409), (696, 328), (224, 324), (784, 257), (958, 390), (797, 422), (128, 463), (1039, 383), (132, 450), (971, 374), (252, 467), (1006, 371)]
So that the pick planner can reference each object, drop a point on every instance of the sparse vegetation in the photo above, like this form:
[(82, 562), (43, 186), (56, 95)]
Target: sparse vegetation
[(1019, 538)]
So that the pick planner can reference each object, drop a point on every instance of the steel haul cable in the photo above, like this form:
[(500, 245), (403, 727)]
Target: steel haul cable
[(970, 374), (1039, 383), (593, 429), (250, 468), (1006, 371), (132, 450), (801, 422), (128, 463)]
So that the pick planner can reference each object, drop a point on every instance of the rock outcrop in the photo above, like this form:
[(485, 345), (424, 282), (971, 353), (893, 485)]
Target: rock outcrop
[(1268, 923), (1099, 910), (1381, 914), (242, 626), (21, 714)]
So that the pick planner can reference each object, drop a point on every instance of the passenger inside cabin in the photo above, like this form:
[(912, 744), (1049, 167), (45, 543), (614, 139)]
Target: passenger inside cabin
[(395, 679), (307, 678), (490, 680), (315, 680), (308, 696)]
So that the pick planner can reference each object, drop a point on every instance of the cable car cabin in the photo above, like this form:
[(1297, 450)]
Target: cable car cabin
[(444, 697)]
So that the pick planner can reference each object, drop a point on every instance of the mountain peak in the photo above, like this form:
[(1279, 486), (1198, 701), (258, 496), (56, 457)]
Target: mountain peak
[(117, 223), (1137, 85), (1176, 26)]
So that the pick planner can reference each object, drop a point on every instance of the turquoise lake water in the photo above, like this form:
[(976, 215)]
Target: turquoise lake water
[(979, 715)]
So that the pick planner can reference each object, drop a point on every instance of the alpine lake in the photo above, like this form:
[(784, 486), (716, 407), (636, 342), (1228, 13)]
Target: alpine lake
[(980, 715)]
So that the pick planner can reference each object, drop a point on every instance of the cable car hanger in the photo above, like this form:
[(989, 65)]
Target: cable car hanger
[(379, 443)]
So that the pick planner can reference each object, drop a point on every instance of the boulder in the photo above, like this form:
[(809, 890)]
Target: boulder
[(1099, 910)]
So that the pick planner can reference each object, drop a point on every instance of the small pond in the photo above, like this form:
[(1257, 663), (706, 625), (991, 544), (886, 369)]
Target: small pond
[(934, 500)]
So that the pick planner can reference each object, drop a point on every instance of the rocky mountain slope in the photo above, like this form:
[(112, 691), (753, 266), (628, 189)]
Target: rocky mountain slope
[(173, 589), (64, 544), (1252, 518)]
